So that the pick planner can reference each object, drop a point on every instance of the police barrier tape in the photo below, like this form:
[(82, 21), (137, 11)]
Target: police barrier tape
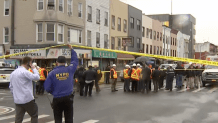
[(125, 52)]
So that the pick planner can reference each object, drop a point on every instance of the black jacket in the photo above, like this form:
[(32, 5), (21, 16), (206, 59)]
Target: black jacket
[(146, 73), (178, 71), (156, 74), (79, 74), (190, 72), (99, 75), (90, 75)]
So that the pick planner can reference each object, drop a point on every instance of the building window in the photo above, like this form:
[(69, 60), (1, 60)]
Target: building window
[(113, 22), (119, 43), (163, 38), (119, 24), (147, 48), (69, 7), (166, 40), (75, 36), (89, 13), (50, 34), (51, 4), (171, 42), (133, 41), (39, 32), (157, 36), (160, 50), (125, 26), (157, 50), (105, 41), (98, 16), (132, 23), (6, 6), (138, 24), (150, 49), (60, 33), (160, 36), (154, 35), (170, 52), (40, 5), (138, 42), (150, 33), (175, 53), (112, 43), (106, 18), (143, 31), (154, 50), (61, 5), (80, 10), (175, 41), (6, 35), (147, 33), (89, 38), (97, 39)]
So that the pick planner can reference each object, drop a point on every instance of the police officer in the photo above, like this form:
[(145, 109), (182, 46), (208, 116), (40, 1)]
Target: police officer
[(43, 76), (134, 77), (170, 76), (126, 78), (113, 76), (60, 84)]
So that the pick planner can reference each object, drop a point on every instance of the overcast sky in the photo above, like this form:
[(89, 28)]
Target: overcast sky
[(205, 12)]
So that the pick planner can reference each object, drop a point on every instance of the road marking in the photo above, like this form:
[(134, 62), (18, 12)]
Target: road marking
[(198, 90), (28, 119), (91, 121), (54, 121), (8, 117), (212, 90), (183, 90), (7, 110), (2, 93)]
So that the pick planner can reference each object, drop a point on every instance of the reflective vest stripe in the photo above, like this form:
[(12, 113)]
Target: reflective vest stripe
[(41, 73), (115, 74), (30, 70), (125, 73), (134, 74)]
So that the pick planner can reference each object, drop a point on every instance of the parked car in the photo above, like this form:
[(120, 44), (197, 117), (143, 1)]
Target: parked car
[(167, 65), (5, 75), (210, 75)]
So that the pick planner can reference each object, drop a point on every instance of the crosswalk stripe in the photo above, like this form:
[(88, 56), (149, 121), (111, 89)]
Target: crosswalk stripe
[(183, 90), (91, 121), (8, 117), (198, 90), (54, 121), (212, 90), (28, 119)]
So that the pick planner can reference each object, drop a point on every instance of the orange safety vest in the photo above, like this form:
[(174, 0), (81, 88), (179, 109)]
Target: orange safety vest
[(139, 70), (134, 74), (41, 73), (125, 74), (115, 73), (30, 70)]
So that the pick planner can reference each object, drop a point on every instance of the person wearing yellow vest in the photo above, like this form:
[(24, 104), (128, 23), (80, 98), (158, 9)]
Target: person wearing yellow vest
[(126, 78), (113, 77), (139, 84), (134, 77), (43, 75)]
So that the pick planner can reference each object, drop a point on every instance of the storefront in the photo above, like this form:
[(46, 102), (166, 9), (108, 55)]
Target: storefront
[(123, 59), (104, 58)]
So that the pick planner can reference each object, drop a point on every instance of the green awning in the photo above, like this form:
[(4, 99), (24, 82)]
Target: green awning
[(103, 54)]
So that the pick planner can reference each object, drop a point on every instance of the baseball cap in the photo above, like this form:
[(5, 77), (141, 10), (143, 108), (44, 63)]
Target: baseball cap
[(61, 59)]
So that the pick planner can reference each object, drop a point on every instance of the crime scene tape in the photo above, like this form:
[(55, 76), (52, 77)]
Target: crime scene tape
[(213, 63)]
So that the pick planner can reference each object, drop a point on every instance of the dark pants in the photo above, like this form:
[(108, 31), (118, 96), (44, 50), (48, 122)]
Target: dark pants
[(148, 85), (31, 108), (107, 79), (161, 82), (63, 104), (156, 83), (41, 87), (97, 86), (126, 84), (113, 84), (134, 85), (82, 85), (169, 82), (88, 87)]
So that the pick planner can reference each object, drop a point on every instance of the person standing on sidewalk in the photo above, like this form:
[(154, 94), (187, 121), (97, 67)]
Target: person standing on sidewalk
[(60, 84), (89, 77), (98, 78), (139, 70), (79, 74), (170, 76), (134, 77), (179, 72), (43, 75), (21, 87), (156, 77), (145, 75), (113, 76), (126, 78), (107, 74)]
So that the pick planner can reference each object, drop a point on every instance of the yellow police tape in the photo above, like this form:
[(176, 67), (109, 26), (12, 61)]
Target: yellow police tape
[(125, 52)]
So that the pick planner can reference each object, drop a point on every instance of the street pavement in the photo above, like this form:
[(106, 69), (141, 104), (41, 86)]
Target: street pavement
[(178, 106)]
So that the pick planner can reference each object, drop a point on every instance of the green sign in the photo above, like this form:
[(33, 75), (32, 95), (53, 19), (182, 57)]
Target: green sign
[(103, 54)]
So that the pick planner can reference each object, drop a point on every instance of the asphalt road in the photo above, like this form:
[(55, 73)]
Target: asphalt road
[(193, 106)]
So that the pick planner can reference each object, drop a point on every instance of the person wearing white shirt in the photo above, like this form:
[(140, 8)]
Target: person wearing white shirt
[(22, 90)]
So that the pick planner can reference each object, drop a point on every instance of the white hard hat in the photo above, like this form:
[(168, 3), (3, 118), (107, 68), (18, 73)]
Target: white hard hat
[(134, 65), (127, 66), (35, 64), (114, 65), (138, 65)]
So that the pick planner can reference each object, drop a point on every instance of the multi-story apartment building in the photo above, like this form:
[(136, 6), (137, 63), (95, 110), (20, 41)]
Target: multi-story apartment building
[(157, 37), (182, 22), (182, 45), (147, 34), (30, 24), (135, 28), (205, 49), (166, 41), (173, 43)]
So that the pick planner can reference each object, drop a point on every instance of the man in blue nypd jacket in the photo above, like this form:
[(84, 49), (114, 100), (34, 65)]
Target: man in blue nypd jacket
[(60, 84)]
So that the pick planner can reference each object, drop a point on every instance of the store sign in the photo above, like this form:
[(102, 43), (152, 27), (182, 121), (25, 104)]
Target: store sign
[(34, 55), (54, 53), (103, 54)]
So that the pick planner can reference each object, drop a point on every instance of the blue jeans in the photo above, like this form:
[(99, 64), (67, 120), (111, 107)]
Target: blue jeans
[(179, 80)]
